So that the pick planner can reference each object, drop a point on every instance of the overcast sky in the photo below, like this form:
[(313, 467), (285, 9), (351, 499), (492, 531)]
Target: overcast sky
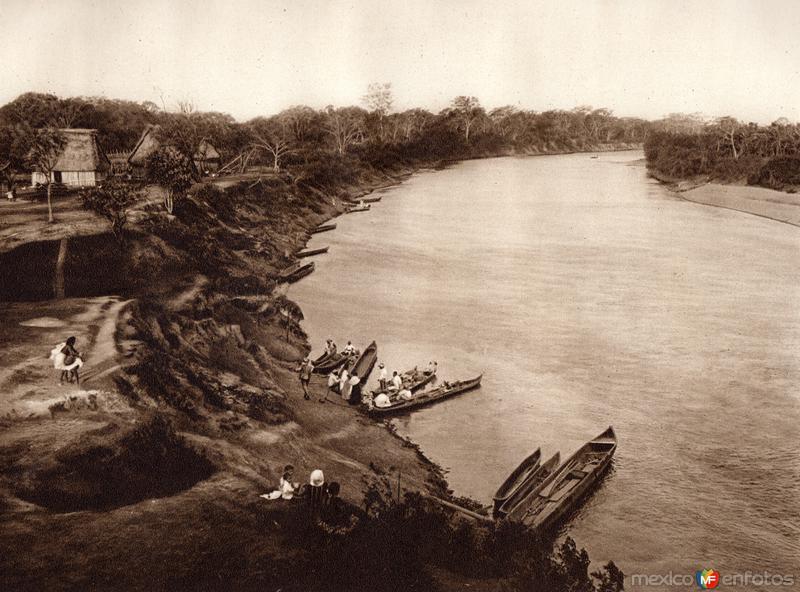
[(641, 57)]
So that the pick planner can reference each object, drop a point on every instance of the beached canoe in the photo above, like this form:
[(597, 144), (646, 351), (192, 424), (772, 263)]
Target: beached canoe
[(424, 398), (515, 504), (310, 252), (322, 359), (365, 362), (413, 380), (353, 209), (332, 363), (372, 199), (564, 488), (517, 477), (296, 271), (324, 228)]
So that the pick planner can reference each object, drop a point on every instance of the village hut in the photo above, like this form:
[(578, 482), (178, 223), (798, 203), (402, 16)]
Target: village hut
[(206, 159), (82, 163), (147, 144)]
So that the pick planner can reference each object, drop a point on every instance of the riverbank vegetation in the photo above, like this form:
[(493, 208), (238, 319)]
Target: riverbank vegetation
[(726, 150), (191, 347)]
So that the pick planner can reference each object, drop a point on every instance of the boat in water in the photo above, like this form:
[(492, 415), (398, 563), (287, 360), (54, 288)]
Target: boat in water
[(296, 271), (515, 503), (424, 398), (358, 208), (413, 380), (324, 228), (517, 477), (562, 490), (310, 252)]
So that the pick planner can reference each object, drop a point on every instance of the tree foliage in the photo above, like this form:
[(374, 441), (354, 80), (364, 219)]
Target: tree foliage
[(112, 200), (44, 148), (173, 171)]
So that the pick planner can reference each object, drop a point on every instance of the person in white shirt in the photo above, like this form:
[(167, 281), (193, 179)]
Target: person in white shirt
[(354, 391), (343, 376), (333, 381), (382, 400), (384, 377), (349, 349), (397, 382), (432, 367), (405, 394)]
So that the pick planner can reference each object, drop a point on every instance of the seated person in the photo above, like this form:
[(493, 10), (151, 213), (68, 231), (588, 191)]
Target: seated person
[(382, 400), (349, 349), (405, 394)]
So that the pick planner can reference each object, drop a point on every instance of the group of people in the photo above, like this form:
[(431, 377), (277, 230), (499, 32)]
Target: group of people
[(318, 492), (68, 360)]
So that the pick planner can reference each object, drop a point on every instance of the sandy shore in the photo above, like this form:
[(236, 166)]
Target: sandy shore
[(758, 201)]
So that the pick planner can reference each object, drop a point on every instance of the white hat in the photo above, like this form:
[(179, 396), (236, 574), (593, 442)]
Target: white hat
[(317, 478)]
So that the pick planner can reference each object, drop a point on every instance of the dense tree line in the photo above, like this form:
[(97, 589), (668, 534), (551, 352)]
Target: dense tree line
[(684, 147)]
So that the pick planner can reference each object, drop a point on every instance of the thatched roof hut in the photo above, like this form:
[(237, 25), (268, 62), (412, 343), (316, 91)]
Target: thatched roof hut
[(206, 159), (147, 144), (82, 163)]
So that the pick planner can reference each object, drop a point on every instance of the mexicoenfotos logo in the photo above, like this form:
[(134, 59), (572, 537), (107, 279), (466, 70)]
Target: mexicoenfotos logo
[(708, 579)]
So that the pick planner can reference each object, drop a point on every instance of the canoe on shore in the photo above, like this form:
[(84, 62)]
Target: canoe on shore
[(353, 209), (413, 380), (517, 477), (310, 252), (372, 199), (515, 504), (562, 490), (445, 391), (296, 271), (365, 362), (331, 363), (324, 227)]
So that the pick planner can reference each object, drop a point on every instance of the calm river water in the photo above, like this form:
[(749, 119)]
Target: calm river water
[(588, 295)]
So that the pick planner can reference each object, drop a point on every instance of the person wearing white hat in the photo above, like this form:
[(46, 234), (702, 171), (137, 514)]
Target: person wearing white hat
[(384, 377), (316, 488)]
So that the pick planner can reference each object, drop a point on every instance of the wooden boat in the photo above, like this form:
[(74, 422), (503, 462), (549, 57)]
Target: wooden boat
[(413, 380), (372, 199), (353, 209), (296, 271), (445, 391), (332, 363), (324, 228), (515, 503), (365, 362), (561, 491), (310, 252), (322, 359), (517, 477)]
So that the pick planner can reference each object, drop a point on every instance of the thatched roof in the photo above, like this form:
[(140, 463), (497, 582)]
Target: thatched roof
[(206, 151), (81, 152), (147, 144)]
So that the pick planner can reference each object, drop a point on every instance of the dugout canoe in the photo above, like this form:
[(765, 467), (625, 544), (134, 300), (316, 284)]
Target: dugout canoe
[(372, 199), (413, 380), (310, 252), (562, 491), (365, 362), (353, 209), (324, 228), (515, 504), (445, 391), (332, 363), (296, 271), (517, 477)]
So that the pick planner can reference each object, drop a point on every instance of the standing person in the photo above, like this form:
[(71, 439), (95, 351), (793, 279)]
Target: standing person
[(354, 396), (305, 376), (348, 388), (384, 377), (343, 376), (316, 489), (333, 381), (72, 361)]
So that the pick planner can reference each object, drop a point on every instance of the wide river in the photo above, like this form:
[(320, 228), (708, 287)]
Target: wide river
[(589, 295)]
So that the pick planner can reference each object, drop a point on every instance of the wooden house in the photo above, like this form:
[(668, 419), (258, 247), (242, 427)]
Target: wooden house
[(81, 163)]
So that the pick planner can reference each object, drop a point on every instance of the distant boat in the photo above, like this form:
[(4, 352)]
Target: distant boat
[(516, 500), (310, 252), (594, 157), (561, 491), (372, 199), (517, 477), (324, 227), (296, 271), (353, 209), (424, 398)]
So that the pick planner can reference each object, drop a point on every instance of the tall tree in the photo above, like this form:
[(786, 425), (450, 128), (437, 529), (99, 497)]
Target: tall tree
[(345, 126), (46, 145), (273, 136), (378, 100), (467, 111)]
